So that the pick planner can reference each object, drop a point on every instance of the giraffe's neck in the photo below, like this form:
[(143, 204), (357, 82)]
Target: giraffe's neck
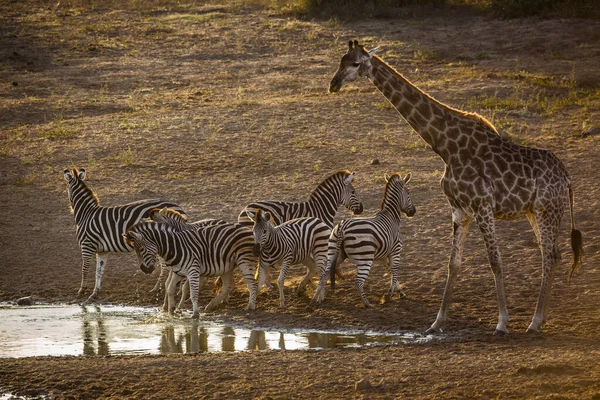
[(427, 116)]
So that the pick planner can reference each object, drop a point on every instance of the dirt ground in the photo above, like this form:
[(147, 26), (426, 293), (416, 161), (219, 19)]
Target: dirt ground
[(216, 105)]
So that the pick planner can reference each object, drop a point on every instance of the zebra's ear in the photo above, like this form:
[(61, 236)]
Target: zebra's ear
[(251, 215), (82, 173), (67, 175), (266, 216), (406, 178), (163, 212), (386, 177), (349, 179)]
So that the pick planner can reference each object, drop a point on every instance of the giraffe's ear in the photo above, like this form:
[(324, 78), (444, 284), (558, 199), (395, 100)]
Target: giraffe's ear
[(406, 178), (82, 174), (372, 51), (386, 177), (67, 175), (349, 179)]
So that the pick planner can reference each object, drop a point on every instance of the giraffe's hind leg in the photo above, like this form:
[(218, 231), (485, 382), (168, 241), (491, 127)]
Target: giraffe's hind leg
[(546, 226)]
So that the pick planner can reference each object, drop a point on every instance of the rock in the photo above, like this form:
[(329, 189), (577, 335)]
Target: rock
[(363, 384), (375, 161), (25, 301)]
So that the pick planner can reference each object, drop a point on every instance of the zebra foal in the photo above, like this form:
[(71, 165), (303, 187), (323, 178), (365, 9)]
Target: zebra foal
[(364, 240), (300, 240), (100, 229), (197, 253)]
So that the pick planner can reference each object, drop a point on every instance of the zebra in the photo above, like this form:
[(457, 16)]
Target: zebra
[(195, 253), (364, 240), (100, 229), (323, 203), (300, 240), (179, 222)]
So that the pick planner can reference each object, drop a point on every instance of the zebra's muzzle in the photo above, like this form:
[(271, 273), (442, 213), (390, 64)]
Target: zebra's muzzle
[(256, 249), (146, 270), (359, 209), (410, 212)]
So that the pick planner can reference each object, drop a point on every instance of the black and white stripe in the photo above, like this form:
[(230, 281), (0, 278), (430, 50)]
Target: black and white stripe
[(100, 229), (324, 202), (364, 240), (179, 222), (195, 253), (301, 240)]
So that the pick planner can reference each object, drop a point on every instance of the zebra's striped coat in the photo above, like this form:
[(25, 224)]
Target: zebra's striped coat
[(179, 222), (194, 253), (301, 240), (364, 240), (100, 229)]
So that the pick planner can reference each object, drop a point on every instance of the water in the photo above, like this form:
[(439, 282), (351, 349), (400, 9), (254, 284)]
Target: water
[(57, 330)]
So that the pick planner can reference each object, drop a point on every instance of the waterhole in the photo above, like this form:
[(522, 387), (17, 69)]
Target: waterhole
[(57, 330)]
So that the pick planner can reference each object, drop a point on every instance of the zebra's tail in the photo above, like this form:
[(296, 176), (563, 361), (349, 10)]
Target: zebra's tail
[(335, 245), (576, 239)]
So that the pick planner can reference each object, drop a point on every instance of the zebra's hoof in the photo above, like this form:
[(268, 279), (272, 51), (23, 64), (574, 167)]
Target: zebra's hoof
[(433, 331), (386, 299), (531, 330), (196, 316), (309, 308), (500, 332)]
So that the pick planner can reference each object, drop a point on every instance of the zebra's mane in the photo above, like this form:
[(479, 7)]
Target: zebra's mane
[(338, 176), (387, 187), (81, 182), (169, 214)]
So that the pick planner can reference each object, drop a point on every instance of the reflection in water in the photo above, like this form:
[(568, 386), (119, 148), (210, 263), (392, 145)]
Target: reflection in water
[(108, 330), (88, 333)]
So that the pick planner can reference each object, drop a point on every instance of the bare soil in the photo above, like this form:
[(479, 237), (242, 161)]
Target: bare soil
[(216, 105)]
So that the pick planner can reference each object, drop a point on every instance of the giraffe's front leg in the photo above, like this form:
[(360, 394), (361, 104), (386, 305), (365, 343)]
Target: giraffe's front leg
[(101, 259), (460, 227)]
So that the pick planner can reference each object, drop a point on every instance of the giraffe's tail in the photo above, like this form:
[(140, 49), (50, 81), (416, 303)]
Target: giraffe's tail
[(576, 239)]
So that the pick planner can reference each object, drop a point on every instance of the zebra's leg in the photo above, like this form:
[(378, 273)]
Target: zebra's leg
[(387, 263), (100, 264), (319, 296), (185, 290), (227, 280), (460, 222), (171, 288), (86, 255), (165, 306), (311, 271), (281, 284), (247, 268), (263, 275), (363, 269), (394, 262), (193, 279), (158, 283)]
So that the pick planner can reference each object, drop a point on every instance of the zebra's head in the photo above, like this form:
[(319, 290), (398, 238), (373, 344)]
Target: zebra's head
[(355, 63), (350, 198), (76, 186), (397, 194), (146, 250), (262, 229)]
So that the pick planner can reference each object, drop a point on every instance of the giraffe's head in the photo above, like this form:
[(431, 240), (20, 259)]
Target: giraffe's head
[(356, 62)]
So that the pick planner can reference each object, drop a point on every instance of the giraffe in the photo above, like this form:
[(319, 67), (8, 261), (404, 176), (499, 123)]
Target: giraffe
[(486, 177)]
